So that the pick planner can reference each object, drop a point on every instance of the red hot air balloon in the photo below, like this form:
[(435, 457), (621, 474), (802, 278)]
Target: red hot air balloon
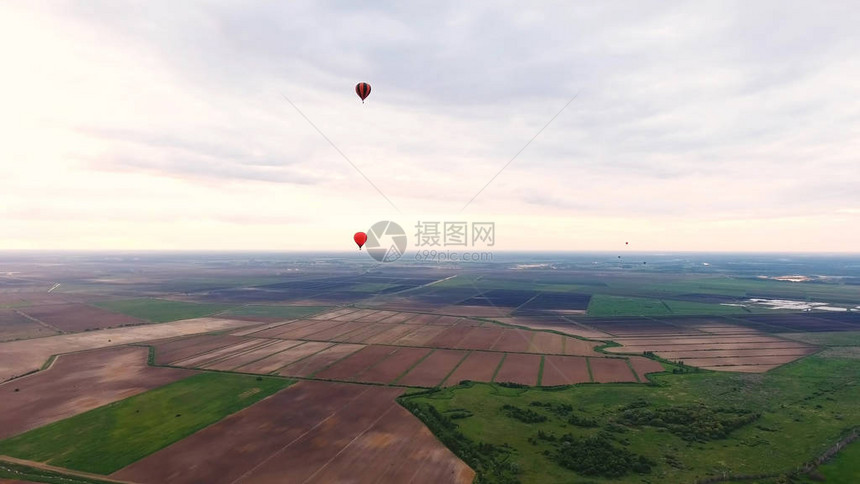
[(360, 238), (363, 90)]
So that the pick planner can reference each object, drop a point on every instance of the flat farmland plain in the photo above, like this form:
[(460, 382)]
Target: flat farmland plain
[(79, 317), (19, 357), (79, 382), (312, 432), (607, 370), (14, 325)]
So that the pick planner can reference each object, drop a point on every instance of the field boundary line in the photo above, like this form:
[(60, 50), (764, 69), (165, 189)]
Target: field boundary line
[(445, 379), (270, 457), (372, 424), (498, 367), (59, 470), (588, 367), (270, 354), (311, 376), (633, 370), (39, 321), (432, 350), (540, 370), (331, 344)]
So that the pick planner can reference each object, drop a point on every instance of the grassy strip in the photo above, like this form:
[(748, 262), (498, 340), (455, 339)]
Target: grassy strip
[(113, 436), (285, 312), (20, 472), (162, 310)]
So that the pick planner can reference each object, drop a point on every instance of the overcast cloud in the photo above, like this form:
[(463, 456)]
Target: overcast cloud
[(697, 125)]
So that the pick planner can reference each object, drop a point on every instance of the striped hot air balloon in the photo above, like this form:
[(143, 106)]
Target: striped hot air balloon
[(363, 90)]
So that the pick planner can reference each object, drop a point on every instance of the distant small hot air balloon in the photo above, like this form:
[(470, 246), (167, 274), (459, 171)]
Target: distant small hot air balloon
[(363, 90), (360, 238), (626, 243)]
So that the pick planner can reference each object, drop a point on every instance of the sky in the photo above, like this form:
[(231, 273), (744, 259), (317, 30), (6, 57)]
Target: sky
[(696, 126)]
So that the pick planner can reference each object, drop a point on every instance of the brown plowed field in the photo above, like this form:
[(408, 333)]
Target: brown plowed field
[(420, 336), (15, 326), (743, 368), (253, 355), (337, 332), (680, 355), (547, 343), (519, 368), (688, 341), (478, 366), (284, 358), (366, 333), (311, 331), (333, 314), (448, 321), (356, 363), (375, 317), (392, 334), (514, 340), (79, 317), (578, 347), (477, 311), (480, 338), (79, 382), (212, 356), (740, 360), (276, 330), (605, 370), (399, 318), (714, 346), (433, 369), (19, 357), (316, 362), (424, 319), (356, 315), (450, 338), (169, 351), (312, 432), (395, 365), (557, 324), (643, 366), (564, 370), (262, 327)]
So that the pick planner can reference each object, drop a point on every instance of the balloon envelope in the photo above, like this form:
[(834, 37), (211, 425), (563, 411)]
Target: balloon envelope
[(360, 238), (363, 90)]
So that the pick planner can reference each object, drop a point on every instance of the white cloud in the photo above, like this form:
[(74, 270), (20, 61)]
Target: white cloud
[(703, 126)]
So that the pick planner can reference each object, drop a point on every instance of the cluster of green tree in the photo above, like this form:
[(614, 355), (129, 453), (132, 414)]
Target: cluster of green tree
[(523, 415), (510, 384), (690, 422), (565, 410), (458, 413), (595, 456), (491, 463)]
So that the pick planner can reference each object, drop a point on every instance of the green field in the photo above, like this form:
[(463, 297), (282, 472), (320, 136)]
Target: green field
[(285, 312), (834, 338), (606, 305), (111, 437), (804, 407), (845, 467), (19, 473), (162, 310)]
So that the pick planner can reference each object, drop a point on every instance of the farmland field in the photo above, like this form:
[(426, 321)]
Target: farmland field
[(108, 438), (550, 368), (161, 310), (798, 411)]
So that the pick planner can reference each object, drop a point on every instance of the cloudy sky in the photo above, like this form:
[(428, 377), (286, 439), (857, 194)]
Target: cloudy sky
[(730, 126)]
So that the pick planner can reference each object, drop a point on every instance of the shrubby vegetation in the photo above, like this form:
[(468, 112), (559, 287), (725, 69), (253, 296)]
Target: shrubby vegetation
[(595, 456), (690, 422), (523, 415), (490, 462)]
